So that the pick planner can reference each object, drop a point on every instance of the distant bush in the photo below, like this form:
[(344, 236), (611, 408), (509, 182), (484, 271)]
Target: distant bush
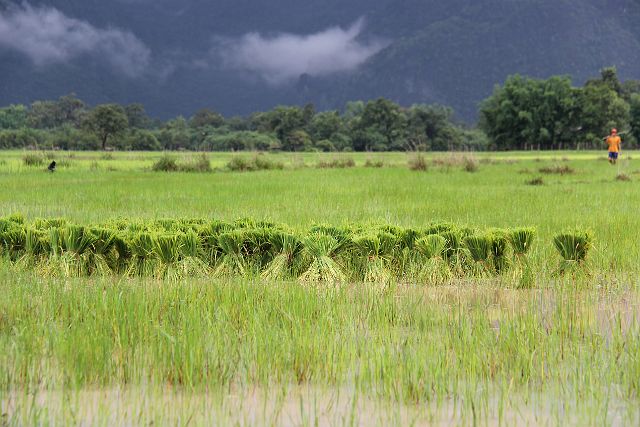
[(32, 159), (258, 162), (467, 162), (239, 141), (169, 164), (165, 164), (558, 170), (535, 181), (470, 164), (196, 164), (338, 162), (373, 163), (418, 163)]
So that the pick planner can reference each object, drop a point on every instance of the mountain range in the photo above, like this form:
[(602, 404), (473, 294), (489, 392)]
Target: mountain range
[(241, 56)]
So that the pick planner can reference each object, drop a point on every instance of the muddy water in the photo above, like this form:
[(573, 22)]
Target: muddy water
[(292, 406)]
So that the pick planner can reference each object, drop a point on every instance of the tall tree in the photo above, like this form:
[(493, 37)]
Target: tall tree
[(105, 121)]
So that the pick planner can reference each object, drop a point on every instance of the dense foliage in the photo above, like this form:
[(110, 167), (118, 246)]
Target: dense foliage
[(527, 113), (524, 113)]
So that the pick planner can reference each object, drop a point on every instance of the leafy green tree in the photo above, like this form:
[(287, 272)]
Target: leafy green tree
[(528, 113), (106, 121), (13, 117), (282, 121), (382, 117), (243, 140), (43, 115), (206, 117), (329, 126), (137, 116), (601, 109), (142, 140), (70, 110), (429, 127), (50, 114), (175, 135), (634, 113)]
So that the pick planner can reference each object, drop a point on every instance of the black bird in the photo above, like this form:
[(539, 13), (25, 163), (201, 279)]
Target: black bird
[(52, 166)]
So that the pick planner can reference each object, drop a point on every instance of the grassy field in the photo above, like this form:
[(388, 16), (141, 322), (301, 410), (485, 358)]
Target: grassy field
[(120, 350)]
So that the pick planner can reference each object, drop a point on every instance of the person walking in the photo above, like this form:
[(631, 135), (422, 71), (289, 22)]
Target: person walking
[(614, 141)]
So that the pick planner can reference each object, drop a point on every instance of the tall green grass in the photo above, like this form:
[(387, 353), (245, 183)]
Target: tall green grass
[(471, 350)]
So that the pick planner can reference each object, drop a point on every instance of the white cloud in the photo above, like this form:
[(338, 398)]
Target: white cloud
[(285, 57), (46, 36)]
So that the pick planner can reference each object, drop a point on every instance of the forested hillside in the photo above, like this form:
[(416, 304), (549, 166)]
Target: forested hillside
[(409, 51)]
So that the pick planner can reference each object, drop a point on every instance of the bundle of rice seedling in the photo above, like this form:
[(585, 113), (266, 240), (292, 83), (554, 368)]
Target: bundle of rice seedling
[(479, 247), (232, 262), (521, 240), (167, 250), (285, 249), (431, 246), (77, 246), (322, 251), (430, 264), (340, 233), (141, 247), (105, 254), (12, 239), (36, 246), (453, 239), (192, 255), (574, 247), (375, 253), (499, 247), (45, 224), (256, 249), (16, 218)]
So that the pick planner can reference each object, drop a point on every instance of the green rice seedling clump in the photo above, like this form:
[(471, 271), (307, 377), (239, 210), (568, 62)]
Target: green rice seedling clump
[(573, 246), (176, 248)]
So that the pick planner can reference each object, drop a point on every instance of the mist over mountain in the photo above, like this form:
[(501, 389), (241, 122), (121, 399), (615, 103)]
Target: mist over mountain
[(240, 56)]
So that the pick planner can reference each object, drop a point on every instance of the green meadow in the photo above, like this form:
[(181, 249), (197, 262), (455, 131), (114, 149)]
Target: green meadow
[(202, 350)]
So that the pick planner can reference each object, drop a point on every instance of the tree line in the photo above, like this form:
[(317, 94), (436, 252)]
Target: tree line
[(527, 113), (523, 113)]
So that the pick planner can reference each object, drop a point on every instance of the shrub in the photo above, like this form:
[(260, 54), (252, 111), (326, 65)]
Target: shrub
[(258, 162), (165, 164), (31, 159), (535, 181), (470, 164), (418, 163), (196, 164), (373, 163), (338, 162)]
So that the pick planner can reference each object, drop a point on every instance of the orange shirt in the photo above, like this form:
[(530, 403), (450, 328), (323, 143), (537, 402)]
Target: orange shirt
[(614, 144)]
